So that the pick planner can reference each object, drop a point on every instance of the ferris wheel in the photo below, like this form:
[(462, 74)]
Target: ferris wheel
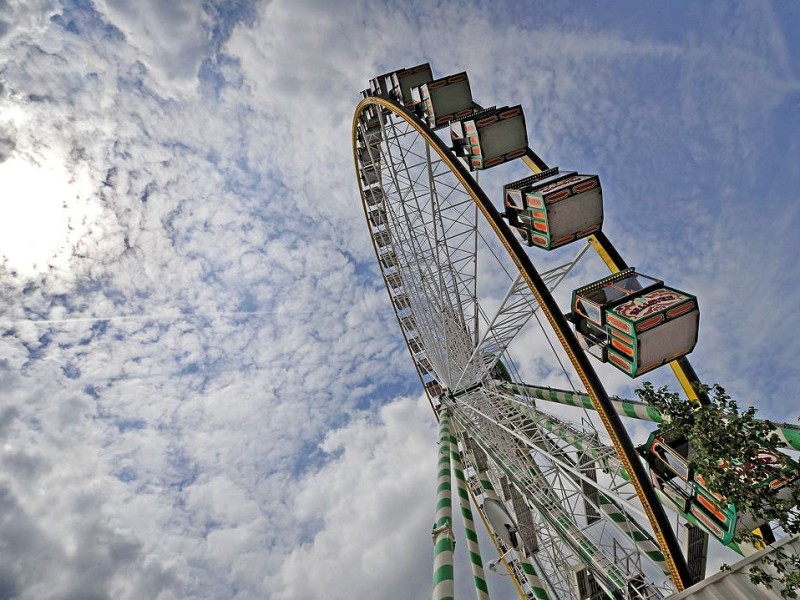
[(572, 508)]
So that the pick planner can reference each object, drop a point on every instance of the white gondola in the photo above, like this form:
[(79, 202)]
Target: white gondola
[(443, 100), (389, 261), (382, 238), (415, 344), (408, 323), (424, 365), (397, 85), (377, 217), (370, 157), (635, 322), (490, 137), (370, 175), (551, 209), (403, 81), (401, 302), (434, 388), (374, 196), (394, 280), (369, 133)]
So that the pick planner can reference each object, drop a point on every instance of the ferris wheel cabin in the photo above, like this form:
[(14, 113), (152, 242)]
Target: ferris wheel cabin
[(369, 154), (490, 137), (397, 84), (681, 488), (634, 322), (668, 454), (551, 209), (369, 134), (442, 100)]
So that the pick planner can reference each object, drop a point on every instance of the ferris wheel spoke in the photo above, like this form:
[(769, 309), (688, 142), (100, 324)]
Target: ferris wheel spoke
[(448, 269), (526, 474), (421, 261), (515, 311), (415, 235), (572, 499), (536, 429), (540, 546), (436, 264), (607, 497)]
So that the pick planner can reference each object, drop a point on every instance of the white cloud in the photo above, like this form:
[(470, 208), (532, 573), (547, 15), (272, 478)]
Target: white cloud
[(21, 17), (172, 37), (176, 446), (372, 503)]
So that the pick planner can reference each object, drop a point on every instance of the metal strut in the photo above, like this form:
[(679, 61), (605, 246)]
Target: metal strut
[(787, 433)]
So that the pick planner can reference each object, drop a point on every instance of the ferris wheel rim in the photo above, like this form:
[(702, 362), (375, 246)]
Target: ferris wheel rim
[(591, 381)]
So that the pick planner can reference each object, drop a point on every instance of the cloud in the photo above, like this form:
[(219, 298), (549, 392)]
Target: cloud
[(7, 144), (173, 37), (208, 317), (73, 545), (370, 505), (21, 18), (204, 381)]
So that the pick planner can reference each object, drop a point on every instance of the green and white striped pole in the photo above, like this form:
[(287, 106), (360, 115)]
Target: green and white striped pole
[(788, 433), (443, 542), (625, 522), (478, 575), (535, 583), (626, 408), (634, 531), (614, 512), (552, 507)]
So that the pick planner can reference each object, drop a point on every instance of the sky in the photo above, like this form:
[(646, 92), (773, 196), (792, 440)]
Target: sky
[(203, 391)]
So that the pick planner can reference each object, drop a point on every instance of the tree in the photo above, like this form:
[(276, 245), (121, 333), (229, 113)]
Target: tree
[(729, 448)]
